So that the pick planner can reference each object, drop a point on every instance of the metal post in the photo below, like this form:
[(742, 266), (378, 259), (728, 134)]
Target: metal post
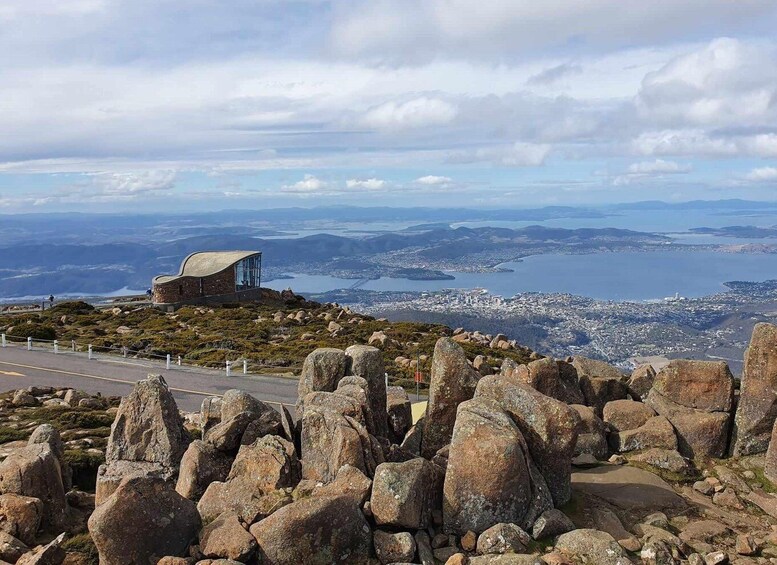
[(56, 347), (229, 368), (2, 340), (29, 344), (73, 345), (386, 374), (245, 367), (124, 352), (167, 362), (89, 356), (179, 360)]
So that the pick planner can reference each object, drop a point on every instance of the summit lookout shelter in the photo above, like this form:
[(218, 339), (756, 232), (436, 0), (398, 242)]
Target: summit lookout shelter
[(211, 277)]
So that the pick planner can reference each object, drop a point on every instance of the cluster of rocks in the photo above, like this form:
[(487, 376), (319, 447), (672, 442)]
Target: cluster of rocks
[(499, 341), (484, 477)]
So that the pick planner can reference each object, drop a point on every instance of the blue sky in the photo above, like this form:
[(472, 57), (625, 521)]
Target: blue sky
[(111, 105)]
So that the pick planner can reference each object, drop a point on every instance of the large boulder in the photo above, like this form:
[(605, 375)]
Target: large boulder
[(549, 427), (757, 408), (148, 426), (552, 378), (322, 370), (641, 381), (594, 546), (770, 466), (143, 520), (400, 413), (367, 362), (696, 397), (490, 477), (600, 382), (701, 385), (592, 439), (656, 432), (227, 538), (452, 382), (394, 547), (331, 439), (34, 471), (622, 415), (243, 419), (356, 389), (269, 463), (405, 494), (239, 496), (319, 530), (201, 465), (21, 516), (110, 476)]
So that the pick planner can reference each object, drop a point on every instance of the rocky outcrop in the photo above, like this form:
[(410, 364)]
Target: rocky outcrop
[(147, 437), (641, 381), (490, 477), (332, 438), (592, 438), (143, 519), (34, 472), (405, 494), (201, 465), (549, 427), (315, 531), (656, 432), (452, 382), (322, 370), (21, 516), (148, 426), (696, 397), (600, 382), (757, 408), (367, 362), (552, 378), (400, 415)]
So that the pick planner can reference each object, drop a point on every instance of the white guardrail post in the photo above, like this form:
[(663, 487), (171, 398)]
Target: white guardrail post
[(90, 352), (73, 345), (245, 367), (2, 340), (29, 344), (167, 362), (56, 347), (229, 368)]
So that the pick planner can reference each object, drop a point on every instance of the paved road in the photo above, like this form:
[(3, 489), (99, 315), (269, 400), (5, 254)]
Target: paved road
[(20, 368)]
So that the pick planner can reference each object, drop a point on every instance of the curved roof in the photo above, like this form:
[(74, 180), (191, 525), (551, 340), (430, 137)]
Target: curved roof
[(205, 263)]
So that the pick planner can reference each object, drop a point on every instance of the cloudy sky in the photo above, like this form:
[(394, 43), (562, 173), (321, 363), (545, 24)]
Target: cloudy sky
[(188, 105)]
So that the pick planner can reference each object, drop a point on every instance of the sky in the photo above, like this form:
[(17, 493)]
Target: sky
[(172, 105)]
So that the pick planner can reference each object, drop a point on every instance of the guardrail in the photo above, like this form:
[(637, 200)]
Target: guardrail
[(231, 367)]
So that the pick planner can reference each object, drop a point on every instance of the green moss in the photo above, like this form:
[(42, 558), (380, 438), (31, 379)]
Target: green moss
[(67, 418), (11, 434), (82, 544), (35, 331), (760, 477)]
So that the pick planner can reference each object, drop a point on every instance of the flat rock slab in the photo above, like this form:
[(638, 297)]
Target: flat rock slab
[(627, 488)]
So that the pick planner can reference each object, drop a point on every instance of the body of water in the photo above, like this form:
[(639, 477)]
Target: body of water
[(607, 276)]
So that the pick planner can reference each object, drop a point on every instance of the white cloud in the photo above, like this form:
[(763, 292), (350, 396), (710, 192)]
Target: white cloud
[(431, 180), (645, 170), (309, 184), (397, 31), (366, 184), (683, 142), (519, 154), (762, 174), (725, 83), (416, 113)]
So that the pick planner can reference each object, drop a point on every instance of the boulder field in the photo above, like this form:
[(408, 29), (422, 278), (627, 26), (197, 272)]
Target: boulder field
[(553, 462)]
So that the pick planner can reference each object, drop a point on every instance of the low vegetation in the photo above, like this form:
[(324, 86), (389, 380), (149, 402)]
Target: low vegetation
[(272, 337)]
